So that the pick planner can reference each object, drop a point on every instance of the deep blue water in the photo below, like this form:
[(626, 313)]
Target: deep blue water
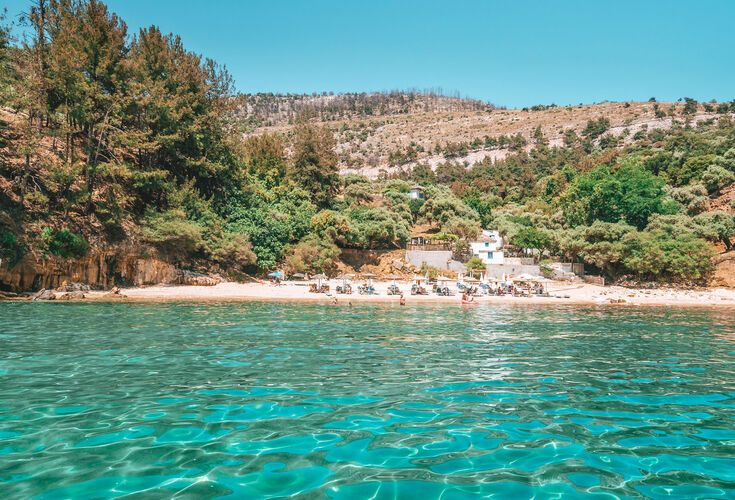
[(273, 400)]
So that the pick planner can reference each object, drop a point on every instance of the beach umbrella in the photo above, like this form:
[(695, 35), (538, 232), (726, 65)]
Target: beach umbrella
[(393, 278), (319, 278), (472, 280), (298, 276), (275, 274), (369, 277)]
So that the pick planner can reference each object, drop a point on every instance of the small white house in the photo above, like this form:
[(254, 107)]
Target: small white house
[(416, 192), (489, 247)]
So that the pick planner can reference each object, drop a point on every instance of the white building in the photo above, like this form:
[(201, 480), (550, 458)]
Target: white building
[(416, 193), (489, 247)]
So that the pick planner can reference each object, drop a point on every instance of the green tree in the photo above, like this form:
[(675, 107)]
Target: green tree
[(315, 163), (716, 226), (442, 205), (234, 252), (670, 254), (328, 224), (693, 197), (629, 193), (373, 228), (313, 255), (265, 157), (173, 234), (466, 229), (475, 265), (715, 178), (595, 128), (532, 238), (604, 246)]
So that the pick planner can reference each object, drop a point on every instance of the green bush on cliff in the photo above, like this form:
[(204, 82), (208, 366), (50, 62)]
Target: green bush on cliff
[(64, 243), (172, 233), (11, 250)]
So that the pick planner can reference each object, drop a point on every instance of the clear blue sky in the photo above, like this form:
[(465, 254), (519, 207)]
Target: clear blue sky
[(513, 53)]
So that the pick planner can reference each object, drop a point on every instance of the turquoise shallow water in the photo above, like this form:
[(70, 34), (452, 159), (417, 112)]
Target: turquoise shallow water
[(272, 400)]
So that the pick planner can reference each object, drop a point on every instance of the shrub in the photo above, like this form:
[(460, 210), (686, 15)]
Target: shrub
[(234, 250), (64, 243), (415, 205), (466, 229), (427, 270), (629, 193), (10, 250), (312, 255), (693, 197), (172, 233), (475, 264), (716, 178), (372, 228), (669, 254)]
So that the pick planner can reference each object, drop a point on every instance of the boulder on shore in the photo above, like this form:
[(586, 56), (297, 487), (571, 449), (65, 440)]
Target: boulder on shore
[(114, 294), (78, 295), (44, 294), (197, 279)]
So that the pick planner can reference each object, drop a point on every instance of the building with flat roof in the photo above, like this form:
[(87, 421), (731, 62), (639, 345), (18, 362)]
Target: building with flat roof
[(489, 247)]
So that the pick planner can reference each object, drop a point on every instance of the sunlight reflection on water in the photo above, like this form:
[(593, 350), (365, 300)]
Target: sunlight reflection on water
[(272, 400)]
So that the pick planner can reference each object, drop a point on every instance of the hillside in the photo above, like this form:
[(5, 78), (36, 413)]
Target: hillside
[(151, 166), (267, 110), (455, 129)]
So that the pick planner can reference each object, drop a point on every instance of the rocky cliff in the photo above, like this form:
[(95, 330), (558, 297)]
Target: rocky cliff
[(99, 270)]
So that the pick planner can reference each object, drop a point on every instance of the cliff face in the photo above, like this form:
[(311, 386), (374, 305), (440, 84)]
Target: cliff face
[(99, 269)]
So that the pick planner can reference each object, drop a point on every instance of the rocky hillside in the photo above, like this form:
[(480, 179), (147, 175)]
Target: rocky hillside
[(267, 110), (414, 128)]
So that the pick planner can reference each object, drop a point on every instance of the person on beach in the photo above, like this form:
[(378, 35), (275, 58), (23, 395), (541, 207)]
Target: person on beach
[(402, 300), (334, 300)]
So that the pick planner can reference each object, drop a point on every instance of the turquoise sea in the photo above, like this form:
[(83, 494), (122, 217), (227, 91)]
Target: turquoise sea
[(268, 400)]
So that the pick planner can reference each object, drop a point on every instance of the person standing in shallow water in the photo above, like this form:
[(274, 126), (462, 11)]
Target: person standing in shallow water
[(402, 300)]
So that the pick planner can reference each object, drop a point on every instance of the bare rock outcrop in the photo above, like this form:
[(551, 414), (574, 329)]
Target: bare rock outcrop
[(44, 294), (198, 279), (101, 270)]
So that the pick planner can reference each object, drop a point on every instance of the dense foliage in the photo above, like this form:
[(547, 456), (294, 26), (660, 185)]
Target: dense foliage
[(108, 136)]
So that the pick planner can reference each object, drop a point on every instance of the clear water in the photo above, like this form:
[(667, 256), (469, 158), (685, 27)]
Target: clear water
[(273, 400)]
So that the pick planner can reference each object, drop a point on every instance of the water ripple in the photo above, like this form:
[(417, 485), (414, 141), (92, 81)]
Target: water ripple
[(273, 400)]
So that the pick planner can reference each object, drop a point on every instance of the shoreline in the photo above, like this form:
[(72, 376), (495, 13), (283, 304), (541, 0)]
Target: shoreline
[(561, 293)]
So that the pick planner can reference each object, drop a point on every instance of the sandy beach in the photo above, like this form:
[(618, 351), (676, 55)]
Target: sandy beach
[(560, 293)]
